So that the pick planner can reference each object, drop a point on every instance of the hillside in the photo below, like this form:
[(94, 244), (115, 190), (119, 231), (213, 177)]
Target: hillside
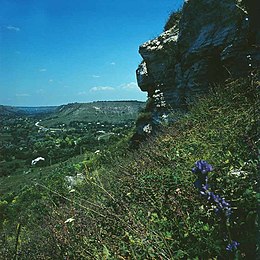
[(6, 111), (110, 111), (25, 111), (100, 111), (144, 205)]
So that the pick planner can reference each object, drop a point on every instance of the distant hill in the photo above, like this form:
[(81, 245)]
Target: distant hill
[(7, 111), (100, 111), (19, 111), (36, 110)]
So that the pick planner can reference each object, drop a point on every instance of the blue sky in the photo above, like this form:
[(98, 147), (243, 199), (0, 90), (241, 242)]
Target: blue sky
[(55, 52)]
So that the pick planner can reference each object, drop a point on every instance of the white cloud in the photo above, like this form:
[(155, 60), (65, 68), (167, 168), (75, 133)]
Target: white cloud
[(95, 76), (22, 95), (112, 63), (42, 70), (94, 89), (13, 28), (129, 86)]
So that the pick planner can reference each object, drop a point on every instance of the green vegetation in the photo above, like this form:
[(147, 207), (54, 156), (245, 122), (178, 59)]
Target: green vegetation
[(113, 112), (71, 130), (143, 204), (144, 117)]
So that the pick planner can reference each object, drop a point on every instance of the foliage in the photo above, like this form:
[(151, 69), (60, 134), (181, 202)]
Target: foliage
[(144, 117), (22, 139), (111, 112), (143, 204)]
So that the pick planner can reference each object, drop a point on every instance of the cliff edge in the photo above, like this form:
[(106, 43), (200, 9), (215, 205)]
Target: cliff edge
[(206, 42)]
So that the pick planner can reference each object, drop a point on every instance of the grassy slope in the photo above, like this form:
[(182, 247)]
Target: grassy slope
[(144, 205), (168, 217), (29, 175), (110, 111)]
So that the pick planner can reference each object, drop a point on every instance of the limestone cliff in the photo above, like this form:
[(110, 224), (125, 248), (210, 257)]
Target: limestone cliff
[(211, 41)]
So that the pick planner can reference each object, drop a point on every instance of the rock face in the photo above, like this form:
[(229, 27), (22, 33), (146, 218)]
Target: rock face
[(212, 40)]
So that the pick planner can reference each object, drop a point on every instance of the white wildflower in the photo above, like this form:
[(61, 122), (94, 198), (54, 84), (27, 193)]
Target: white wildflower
[(147, 129), (69, 220), (36, 160), (238, 173)]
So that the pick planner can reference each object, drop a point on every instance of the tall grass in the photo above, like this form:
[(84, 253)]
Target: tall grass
[(143, 204)]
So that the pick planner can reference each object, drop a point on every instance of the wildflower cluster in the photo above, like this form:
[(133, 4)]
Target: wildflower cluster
[(201, 169), (221, 206), (232, 246)]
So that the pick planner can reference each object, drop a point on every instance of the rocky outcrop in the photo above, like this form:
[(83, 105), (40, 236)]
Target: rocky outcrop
[(212, 40)]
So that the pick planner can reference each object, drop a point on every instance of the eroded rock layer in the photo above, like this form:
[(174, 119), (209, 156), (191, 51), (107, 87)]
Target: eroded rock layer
[(212, 41)]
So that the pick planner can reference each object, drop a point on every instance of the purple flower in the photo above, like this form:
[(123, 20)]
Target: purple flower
[(201, 169), (202, 166), (232, 246), (204, 190), (220, 203)]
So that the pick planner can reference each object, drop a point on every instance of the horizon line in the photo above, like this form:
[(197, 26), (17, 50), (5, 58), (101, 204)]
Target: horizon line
[(88, 102)]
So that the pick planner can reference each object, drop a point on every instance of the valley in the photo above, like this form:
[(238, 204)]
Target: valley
[(62, 133)]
